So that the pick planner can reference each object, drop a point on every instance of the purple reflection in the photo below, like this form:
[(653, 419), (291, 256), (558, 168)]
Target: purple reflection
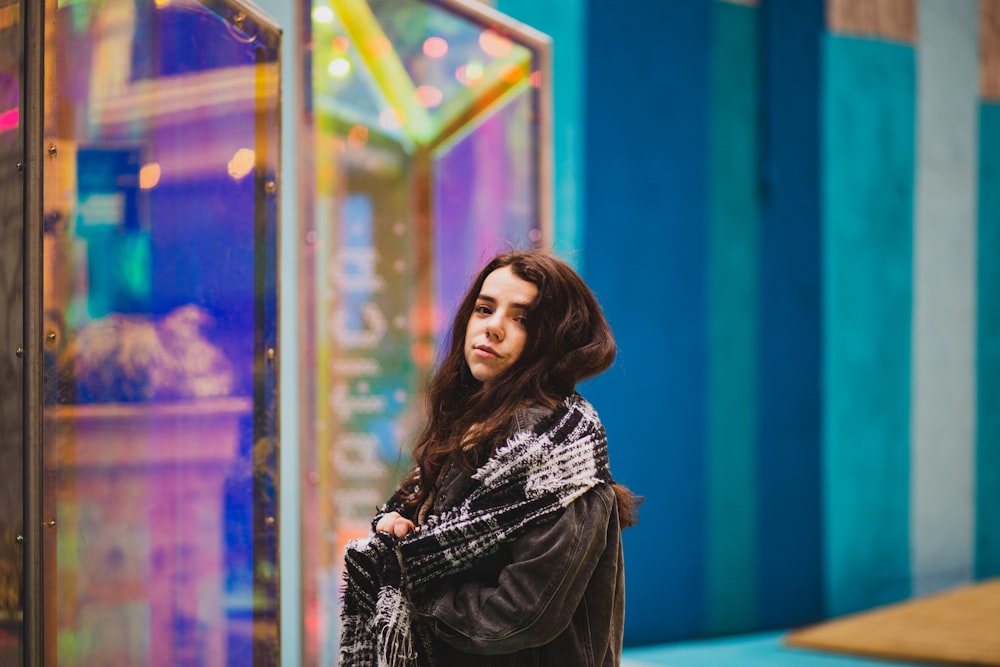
[(483, 200), (163, 478)]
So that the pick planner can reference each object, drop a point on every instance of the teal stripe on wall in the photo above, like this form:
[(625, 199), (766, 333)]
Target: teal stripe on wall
[(565, 23), (988, 348), (868, 160), (733, 284), (943, 403)]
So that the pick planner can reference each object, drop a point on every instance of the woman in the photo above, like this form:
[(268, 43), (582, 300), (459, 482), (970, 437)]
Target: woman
[(503, 544)]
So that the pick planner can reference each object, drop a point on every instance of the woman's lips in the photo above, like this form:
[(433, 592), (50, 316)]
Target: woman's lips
[(486, 351)]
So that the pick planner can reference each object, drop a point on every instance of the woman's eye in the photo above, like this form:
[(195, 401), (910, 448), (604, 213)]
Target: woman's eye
[(483, 310)]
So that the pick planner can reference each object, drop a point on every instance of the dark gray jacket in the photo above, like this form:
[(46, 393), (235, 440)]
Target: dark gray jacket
[(555, 596)]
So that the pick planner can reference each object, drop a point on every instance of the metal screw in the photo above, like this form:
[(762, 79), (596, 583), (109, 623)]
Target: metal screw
[(269, 520), (20, 166), (52, 149), (19, 539), (270, 354), (238, 20), (50, 336), (19, 352), (270, 187), (51, 523)]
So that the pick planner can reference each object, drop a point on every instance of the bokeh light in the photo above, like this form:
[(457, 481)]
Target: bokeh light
[(435, 47), (470, 73), (357, 136), (339, 67), (322, 15), (241, 163), (149, 176), (494, 44), (340, 45), (428, 96), (389, 119)]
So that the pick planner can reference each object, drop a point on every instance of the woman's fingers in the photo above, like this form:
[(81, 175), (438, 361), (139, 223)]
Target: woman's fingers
[(387, 523), (402, 527), (395, 524)]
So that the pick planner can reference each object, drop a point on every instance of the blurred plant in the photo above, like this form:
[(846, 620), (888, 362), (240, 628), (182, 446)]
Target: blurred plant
[(130, 358)]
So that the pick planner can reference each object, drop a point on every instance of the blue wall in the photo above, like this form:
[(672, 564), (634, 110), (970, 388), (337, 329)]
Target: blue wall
[(646, 252), (764, 232)]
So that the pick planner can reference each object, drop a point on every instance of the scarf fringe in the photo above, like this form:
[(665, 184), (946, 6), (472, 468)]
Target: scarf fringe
[(393, 632)]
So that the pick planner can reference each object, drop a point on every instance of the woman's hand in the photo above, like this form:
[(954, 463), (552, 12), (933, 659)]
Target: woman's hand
[(395, 524)]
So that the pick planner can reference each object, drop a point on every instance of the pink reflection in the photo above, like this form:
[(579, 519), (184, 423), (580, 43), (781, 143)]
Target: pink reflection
[(9, 119), (145, 482)]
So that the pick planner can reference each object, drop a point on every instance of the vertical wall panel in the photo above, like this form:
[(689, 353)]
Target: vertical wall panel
[(564, 23), (987, 483), (644, 255), (943, 381), (868, 152), (789, 552), (987, 500), (732, 270)]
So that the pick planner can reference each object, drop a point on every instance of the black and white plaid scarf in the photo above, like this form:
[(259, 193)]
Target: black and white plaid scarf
[(527, 481)]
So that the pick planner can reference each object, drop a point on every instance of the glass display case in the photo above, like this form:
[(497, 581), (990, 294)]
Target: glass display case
[(426, 133), (161, 136)]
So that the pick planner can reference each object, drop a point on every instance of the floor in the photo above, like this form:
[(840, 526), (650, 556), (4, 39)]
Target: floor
[(756, 650)]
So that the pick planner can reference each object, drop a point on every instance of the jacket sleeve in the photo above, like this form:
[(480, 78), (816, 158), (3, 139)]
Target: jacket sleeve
[(536, 594)]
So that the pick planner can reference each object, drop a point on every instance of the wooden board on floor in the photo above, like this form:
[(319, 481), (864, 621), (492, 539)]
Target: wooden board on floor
[(960, 626)]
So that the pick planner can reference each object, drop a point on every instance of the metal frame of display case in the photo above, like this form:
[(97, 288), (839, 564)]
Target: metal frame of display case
[(33, 108)]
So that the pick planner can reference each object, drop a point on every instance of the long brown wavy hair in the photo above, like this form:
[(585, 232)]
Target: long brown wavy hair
[(568, 340)]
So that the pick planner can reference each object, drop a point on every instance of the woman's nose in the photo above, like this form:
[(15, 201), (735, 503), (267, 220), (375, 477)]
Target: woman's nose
[(494, 328)]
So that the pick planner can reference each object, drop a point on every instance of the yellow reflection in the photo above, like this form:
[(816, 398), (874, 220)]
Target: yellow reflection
[(9, 16), (241, 163), (149, 175)]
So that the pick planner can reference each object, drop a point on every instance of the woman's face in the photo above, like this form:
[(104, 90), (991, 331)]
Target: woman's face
[(495, 335)]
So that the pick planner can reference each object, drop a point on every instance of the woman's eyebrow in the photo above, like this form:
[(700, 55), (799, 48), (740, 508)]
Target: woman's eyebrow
[(492, 301)]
